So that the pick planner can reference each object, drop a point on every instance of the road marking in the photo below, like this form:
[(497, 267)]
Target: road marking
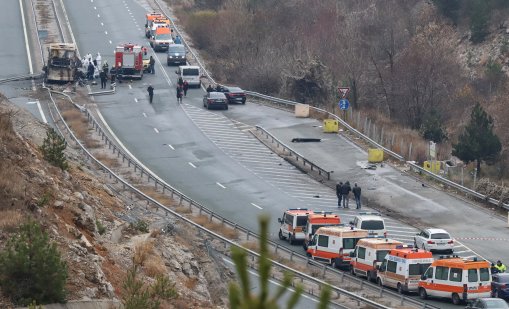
[(111, 42), (171, 147), (256, 206), (194, 166), (99, 16), (40, 110), (144, 115), (130, 87), (26, 38), (135, 100), (106, 32), (102, 24), (217, 183), (155, 129), (463, 251), (95, 8)]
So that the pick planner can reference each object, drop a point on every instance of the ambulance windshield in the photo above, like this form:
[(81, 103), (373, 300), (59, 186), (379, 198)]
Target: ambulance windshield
[(372, 225), (380, 254), (302, 220)]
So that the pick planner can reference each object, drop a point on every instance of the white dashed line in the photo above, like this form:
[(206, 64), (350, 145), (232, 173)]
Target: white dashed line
[(256, 206), (102, 24), (217, 183), (95, 8), (135, 100), (111, 42), (144, 115), (155, 129), (194, 166), (99, 16), (106, 32), (171, 147), (130, 87)]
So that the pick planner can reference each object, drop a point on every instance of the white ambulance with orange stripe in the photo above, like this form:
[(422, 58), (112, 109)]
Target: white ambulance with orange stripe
[(456, 278), (403, 267), (333, 244), (317, 220), (293, 222), (369, 253)]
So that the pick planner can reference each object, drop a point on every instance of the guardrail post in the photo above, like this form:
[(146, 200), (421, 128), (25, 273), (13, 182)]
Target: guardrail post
[(362, 284), (181, 199), (275, 249), (342, 276), (381, 291), (201, 208), (247, 236), (211, 216), (155, 184), (291, 256), (402, 300), (324, 270)]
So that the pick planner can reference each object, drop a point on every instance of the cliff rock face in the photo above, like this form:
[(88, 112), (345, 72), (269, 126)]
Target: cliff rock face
[(86, 219)]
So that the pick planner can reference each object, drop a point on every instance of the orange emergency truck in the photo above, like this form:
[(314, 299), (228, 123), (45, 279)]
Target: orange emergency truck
[(161, 38), (317, 220), (149, 18), (369, 253), (402, 268), (333, 244), (456, 278)]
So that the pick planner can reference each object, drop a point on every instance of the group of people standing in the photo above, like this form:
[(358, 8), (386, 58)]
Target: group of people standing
[(343, 193), (182, 87), (96, 68)]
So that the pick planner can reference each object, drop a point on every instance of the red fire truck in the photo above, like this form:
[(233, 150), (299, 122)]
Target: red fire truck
[(128, 61)]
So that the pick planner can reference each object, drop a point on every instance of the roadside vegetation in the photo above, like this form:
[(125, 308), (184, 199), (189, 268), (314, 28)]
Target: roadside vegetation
[(415, 69)]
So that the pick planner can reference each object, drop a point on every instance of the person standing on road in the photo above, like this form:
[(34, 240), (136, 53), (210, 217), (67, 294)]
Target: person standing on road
[(338, 193), (178, 40), (185, 86), (98, 60), (500, 267), (104, 78), (90, 71), (357, 194), (209, 88), (150, 91), (151, 64), (345, 192), (179, 94), (180, 82)]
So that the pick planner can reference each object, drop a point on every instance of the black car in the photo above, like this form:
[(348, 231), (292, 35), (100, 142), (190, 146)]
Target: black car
[(176, 54), (215, 100), (500, 285), (233, 94)]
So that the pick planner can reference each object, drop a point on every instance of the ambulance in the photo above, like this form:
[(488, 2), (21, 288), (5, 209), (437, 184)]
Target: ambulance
[(333, 244), (292, 224), (161, 38), (456, 278), (149, 18), (317, 220), (402, 268), (369, 254)]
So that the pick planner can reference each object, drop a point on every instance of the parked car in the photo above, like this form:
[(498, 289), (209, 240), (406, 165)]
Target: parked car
[(215, 100), (434, 240), (500, 285), (234, 94), (176, 54), (487, 303)]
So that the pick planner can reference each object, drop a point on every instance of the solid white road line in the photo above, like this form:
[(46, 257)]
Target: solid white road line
[(30, 67), (155, 129), (130, 87), (217, 183), (40, 110), (144, 115), (256, 206), (190, 163), (135, 100), (171, 147)]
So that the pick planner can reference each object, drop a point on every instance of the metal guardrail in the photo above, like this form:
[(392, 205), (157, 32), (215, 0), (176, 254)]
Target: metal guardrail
[(294, 153), (21, 77)]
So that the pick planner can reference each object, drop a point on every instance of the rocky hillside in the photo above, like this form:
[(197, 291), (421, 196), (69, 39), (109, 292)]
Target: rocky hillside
[(91, 224)]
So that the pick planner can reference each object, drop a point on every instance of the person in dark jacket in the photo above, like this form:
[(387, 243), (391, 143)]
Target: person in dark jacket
[(180, 82), (209, 88), (150, 91), (185, 86), (357, 194), (104, 77), (338, 193), (90, 71), (151, 64), (179, 94), (345, 192)]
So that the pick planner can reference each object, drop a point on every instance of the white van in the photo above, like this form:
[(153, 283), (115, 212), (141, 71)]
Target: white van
[(370, 221), (191, 73)]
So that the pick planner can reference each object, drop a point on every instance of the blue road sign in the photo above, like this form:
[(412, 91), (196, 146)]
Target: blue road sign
[(343, 104)]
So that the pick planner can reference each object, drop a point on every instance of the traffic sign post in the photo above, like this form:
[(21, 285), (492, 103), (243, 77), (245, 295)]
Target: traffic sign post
[(343, 91), (343, 104)]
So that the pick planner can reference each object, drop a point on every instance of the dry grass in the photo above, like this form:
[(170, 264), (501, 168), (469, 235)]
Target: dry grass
[(183, 210), (160, 197), (107, 160), (191, 283), (91, 143), (154, 266), (216, 227), (11, 182), (77, 122), (155, 233), (142, 251), (10, 220), (251, 245)]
